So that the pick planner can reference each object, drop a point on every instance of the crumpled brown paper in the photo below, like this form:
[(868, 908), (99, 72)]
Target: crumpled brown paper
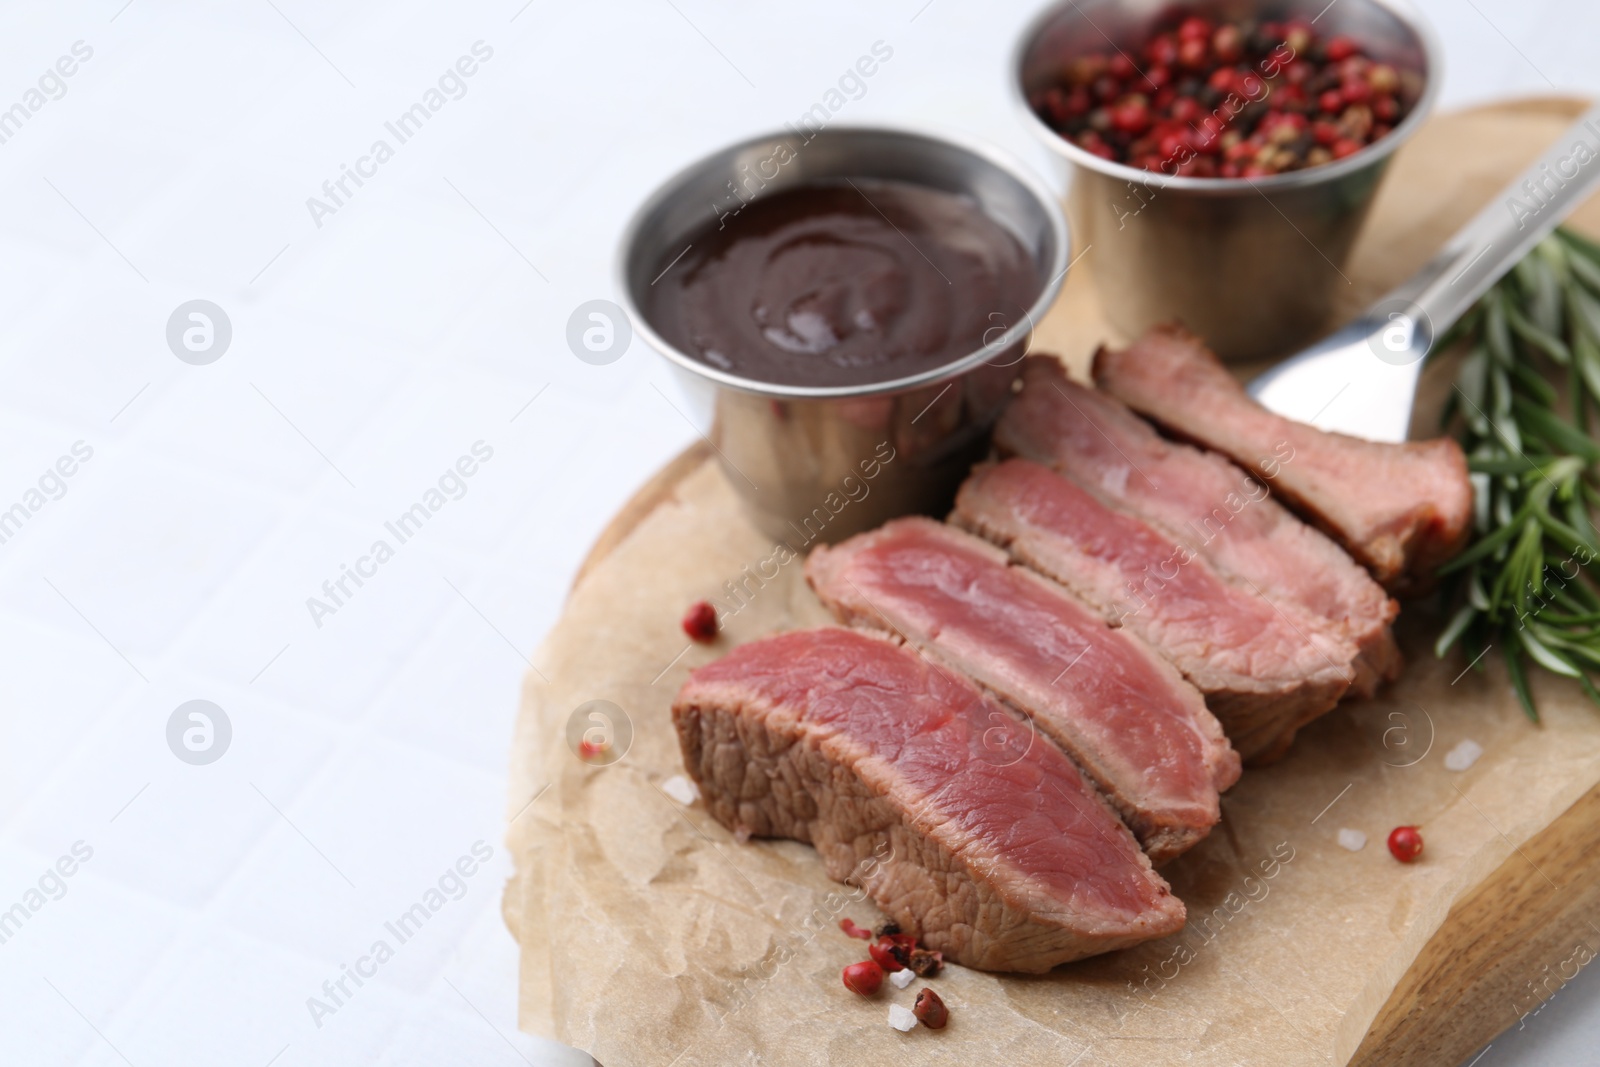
[(649, 936)]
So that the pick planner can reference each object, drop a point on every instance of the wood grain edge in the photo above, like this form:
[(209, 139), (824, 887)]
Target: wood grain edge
[(1485, 967), (651, 495)]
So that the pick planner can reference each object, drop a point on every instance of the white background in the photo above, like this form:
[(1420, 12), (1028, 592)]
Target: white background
[(368, 354)]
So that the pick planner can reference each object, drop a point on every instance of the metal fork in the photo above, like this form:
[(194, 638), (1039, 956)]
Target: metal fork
[(1362, 379)]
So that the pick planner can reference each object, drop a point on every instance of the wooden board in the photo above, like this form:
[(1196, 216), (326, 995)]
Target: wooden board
[(1472, 977)]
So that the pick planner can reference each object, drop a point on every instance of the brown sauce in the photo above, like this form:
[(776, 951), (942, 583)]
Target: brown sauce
[(842, 284)]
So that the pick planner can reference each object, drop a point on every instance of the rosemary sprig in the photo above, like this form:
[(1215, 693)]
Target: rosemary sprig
[(1529, 584)]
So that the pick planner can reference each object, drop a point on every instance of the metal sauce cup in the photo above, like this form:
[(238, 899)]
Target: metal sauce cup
[(815, 464), (1251, 265)]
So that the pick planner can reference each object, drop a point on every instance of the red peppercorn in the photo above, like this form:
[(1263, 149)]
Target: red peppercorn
[(1172, 142), (1193, 54), (850, 928), (1344, 146), (1355, 92), (1092, 143), (1186, 109), (1209, 76), (926, 963), (888, 955), (1298, 73), (700, 621), (1341, 48), (1292, 120), (1162, 50), (1131, 114), (930, 1010), (1354, 69), (1405, 843), (865, 978)]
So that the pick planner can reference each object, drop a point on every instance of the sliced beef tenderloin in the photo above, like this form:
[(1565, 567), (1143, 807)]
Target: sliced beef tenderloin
[(1004, 860), (1400, 509), (1205, 502), (1142, 733), (1265, 670)]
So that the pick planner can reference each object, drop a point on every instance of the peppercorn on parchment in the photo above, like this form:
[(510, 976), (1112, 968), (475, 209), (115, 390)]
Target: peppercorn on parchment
[(650, 936)]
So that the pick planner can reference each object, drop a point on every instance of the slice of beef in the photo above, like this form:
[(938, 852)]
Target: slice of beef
[(1004, 860), (1134, 725), (1265, 670), (1205, 502), (1400, 509)]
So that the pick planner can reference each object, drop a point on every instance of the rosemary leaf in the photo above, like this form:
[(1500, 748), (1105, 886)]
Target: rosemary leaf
[(1529, 585)]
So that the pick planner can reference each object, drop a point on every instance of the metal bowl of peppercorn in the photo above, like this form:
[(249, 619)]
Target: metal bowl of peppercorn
[(1222, 155)]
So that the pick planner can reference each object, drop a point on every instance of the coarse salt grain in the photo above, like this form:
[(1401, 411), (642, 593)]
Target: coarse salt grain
[(681, 789), (902, 1018), (1354, 840), (1463, 755), (903, 977)]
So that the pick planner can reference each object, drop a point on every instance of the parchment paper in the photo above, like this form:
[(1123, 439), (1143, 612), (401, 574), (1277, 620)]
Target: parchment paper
[(649, 936)]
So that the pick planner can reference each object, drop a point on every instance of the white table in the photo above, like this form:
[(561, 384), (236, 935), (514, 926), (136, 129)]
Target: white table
[(374, 341)]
